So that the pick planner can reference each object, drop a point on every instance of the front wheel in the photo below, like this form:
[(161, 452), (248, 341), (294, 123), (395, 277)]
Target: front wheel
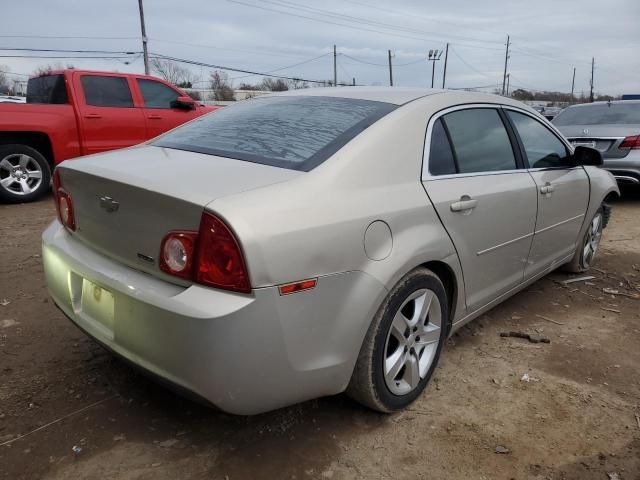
[(585, 253), (24, 174), (403, 344)]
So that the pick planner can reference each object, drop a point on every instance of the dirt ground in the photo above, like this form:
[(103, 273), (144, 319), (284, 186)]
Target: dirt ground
[(574, 419)]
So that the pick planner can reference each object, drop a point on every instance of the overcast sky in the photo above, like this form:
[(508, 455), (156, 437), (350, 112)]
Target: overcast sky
[(549, 37)]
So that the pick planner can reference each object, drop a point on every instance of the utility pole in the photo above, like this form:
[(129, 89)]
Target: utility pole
[(444, 72), (144, 39), (573, 82), (593, 62), (506, 59), (390, 71), (434, 56), (335, 66), (508, 77)]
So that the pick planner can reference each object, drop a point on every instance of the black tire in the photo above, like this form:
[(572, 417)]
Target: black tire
[(13, 193), (578, 263), (368, 385)]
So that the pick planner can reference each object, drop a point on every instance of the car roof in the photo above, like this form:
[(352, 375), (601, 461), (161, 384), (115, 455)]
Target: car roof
[(613, 102), (400, 95)]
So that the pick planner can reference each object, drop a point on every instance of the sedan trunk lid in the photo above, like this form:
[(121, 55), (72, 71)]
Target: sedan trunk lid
[(125, 202), (605, 138)]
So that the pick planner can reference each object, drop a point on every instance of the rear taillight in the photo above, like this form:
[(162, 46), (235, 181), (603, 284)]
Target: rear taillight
[(220, 262), (630, 143), (211, 256), (64, 203), (177, 252)]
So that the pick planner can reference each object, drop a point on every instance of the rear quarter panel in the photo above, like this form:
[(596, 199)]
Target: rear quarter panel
[(58, 122), (315, 224)]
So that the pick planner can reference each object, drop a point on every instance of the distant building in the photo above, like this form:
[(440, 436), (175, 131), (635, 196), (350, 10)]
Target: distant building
[(631, 96)]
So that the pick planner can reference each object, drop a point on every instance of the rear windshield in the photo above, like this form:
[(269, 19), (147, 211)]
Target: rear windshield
[(295, 132), (47, 89), (600, 114)]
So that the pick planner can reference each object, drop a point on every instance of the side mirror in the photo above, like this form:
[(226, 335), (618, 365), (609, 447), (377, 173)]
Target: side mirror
[(184, 103), (587, 156)]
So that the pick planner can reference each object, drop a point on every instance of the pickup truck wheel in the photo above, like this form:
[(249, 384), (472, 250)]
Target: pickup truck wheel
[(403, 344), (24, 174)]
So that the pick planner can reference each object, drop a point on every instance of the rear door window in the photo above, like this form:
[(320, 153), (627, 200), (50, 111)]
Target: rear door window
[(106, 91), (441, 161), (156, 94), (296, 132), (50, 89), (479, 140)]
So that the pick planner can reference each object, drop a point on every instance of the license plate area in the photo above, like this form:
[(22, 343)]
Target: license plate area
[(584, 144), (93, 303)]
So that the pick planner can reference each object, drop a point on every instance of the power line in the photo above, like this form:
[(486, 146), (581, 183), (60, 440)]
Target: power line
[(469, 65), (316, 19), (69, 37), (234, 69), (58, 50), (385, 65), (360, 20), (253, 52), (288, 66)]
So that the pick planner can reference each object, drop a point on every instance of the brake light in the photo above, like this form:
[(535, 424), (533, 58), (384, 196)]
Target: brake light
[(630, 143), (64, 203), (220, 262), (211, 256)]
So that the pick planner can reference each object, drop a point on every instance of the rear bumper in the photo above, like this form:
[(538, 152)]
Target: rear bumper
[(244, 354), (626, 170)]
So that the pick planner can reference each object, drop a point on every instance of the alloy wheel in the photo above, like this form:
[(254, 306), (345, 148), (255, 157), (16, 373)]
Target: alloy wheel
[(20, 174), (592, 240), (412, 341)]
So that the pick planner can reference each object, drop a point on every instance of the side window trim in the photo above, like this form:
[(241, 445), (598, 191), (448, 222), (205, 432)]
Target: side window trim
[(451, 146), (516, 142), (426, 174), (525, 159)]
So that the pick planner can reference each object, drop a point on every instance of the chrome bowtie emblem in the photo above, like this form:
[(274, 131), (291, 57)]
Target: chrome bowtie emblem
[(109, 204), (585, 131)]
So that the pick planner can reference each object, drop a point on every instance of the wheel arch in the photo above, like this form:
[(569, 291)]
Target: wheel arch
[(39, 141), (448, 278)]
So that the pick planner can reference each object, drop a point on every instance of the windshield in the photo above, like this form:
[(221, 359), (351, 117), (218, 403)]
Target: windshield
[(295, 132), (600, 114), (47, 89)]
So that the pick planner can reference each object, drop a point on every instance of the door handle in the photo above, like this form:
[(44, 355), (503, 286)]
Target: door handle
[(93, 115), (547, 188), (154, 117), (465, 204)]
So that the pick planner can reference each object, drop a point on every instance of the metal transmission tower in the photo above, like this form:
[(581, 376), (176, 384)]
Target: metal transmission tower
[(434, 56)]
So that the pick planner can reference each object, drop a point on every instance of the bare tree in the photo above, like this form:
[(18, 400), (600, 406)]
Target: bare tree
[(45, 69), (173, 73), (221, 86), (4, 80), (274, 84), (297, 84)]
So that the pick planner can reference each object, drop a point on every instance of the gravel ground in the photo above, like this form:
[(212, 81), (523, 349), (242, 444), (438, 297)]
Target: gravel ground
[(574, 419)]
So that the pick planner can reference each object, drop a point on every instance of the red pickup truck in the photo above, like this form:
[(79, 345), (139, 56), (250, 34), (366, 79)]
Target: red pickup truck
[(77, 112)]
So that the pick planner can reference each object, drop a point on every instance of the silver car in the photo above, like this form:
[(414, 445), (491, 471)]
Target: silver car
[(319, 241), (611, 127)]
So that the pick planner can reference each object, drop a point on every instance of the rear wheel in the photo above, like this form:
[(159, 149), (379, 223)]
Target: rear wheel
[(586, 250), (403, 344), (24, 174)]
